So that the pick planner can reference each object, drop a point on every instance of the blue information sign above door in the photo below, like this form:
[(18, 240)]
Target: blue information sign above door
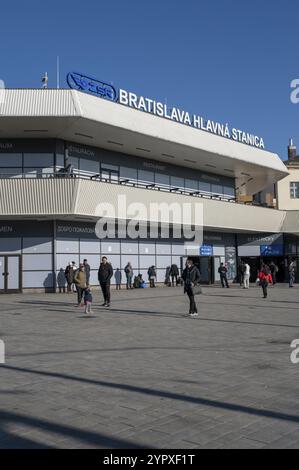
[(271, 250), (206, 250)]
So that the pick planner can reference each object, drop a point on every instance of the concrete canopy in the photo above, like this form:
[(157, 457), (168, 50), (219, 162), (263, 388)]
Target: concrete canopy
[(85, 119)]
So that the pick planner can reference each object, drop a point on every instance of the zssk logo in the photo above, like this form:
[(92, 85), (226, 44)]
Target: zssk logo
[(80, 82)]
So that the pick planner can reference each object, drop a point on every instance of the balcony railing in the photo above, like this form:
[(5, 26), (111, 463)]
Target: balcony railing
[(85, 175)]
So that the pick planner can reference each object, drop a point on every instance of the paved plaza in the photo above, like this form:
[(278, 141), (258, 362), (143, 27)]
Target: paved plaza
[(143, 375)]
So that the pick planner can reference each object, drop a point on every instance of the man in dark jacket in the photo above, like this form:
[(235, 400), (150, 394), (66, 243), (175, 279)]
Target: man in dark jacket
[(223, 276), (174, 273), (191, 277), (105, 274)]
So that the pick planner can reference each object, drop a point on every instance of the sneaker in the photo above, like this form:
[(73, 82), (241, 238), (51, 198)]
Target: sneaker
[(194, 315), (104, 304), (107, 305)]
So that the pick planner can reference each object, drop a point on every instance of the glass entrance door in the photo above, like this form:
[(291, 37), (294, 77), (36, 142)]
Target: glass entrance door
[(10, 274)]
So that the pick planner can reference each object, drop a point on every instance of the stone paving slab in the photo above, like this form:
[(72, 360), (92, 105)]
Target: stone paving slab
[(143, 374)]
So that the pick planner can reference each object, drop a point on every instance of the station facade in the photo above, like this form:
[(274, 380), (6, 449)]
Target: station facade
[(63, 152)]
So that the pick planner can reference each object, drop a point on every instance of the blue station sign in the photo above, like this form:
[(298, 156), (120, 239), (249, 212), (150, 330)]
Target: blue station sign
[(80, 82)]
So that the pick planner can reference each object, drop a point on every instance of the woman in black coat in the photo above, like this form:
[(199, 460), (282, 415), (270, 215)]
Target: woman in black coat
[(191, 277)]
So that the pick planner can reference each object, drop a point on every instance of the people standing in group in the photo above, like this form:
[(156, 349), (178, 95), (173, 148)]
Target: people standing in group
[(87, 300), (129, 275), (274, 270), (174, 274), (292, 273), (87, 271), (242, 273), (152, 275), (105, 274), (265, 278), (118, 277), (80, 282), (247, 273), (191, 277), (223, 276)]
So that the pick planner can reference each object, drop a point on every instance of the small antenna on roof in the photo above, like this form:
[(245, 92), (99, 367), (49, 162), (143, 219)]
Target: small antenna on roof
[(45, 80)]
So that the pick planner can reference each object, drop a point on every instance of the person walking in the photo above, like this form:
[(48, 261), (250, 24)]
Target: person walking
[(87, 300), (223, 276), (152, 276), (105, 274), (274, 271), (118, 277), (174, 273), (191, 278), (87, 271), (292, 273), (265, 279), (246, 276), (80, 282), (129, 275)]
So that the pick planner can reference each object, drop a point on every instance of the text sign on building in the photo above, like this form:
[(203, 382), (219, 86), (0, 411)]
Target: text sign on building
[(105, 90), (206, 250)]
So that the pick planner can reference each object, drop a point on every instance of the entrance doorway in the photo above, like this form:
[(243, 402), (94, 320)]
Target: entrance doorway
[(205, 266), (10, 274)]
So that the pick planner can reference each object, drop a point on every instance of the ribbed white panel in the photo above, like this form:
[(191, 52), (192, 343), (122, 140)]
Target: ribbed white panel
[(46, 102), (40, 197)]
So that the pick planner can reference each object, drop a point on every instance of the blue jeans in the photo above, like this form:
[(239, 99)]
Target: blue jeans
[(292, 280)]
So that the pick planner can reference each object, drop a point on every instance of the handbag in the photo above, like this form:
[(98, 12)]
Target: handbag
[(196, 290)]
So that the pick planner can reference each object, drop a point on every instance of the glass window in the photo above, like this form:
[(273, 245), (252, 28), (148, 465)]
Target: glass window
[(204, 186), (147, 248), (66, 245), (294, 188), (36, 262), (37, 245), (10, 160), (163, 261), (191, 184), (38, 279), (110, 247), (89, 166), (11, 172), (178, 249), (90, 246), (146, 176), (62, 261), (162, 179), (128, 173), (145, 261), (176, 182), (38, 159), (163, 248), (133, 260), (75, 162), (229, 191), (129, 247), (60, 160), (10, 245), (217, 189)]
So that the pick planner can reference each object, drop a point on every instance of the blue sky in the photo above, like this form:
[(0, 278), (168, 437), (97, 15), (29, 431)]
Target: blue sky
[(226, 60)]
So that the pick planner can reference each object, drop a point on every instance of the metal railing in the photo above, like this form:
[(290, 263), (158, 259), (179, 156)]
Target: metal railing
[(85, 175)]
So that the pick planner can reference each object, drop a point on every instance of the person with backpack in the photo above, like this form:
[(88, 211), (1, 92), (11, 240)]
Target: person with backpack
[(191, 277), (129, 275)]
